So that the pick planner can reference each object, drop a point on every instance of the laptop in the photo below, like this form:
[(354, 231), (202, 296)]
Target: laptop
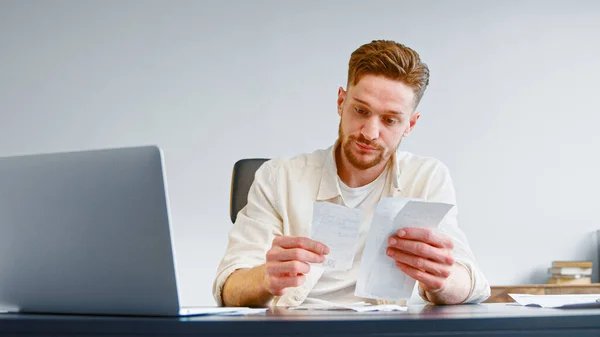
[(88, 232)]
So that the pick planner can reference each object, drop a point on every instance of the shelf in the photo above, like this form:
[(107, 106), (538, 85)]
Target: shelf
[(500, 293)]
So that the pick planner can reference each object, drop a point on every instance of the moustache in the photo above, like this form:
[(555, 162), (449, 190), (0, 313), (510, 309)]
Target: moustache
[(366, 142)]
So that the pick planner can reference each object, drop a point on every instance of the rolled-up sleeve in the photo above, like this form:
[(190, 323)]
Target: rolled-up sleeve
[(441, 189), (253, 231)]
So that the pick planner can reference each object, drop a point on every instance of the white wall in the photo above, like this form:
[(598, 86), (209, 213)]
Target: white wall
[(512, 107)]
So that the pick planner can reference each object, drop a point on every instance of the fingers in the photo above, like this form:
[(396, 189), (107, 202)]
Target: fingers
[(421, 249), (423, 254), (278, 284), (428, 281), (290, 268), (431, 267), (288, 261), (294, 254), (427, 235), (283, 275), (301, 242), (432, 246)]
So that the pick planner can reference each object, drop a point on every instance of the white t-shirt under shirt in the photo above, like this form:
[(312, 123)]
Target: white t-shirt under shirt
[(338, 285)]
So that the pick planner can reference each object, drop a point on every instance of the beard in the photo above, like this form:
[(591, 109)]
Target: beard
[(381, 153)]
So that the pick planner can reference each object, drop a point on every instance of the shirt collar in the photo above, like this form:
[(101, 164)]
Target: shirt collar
[(329, 186)]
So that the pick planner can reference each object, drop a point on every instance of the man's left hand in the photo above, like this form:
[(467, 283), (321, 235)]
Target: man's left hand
[(423, 254)]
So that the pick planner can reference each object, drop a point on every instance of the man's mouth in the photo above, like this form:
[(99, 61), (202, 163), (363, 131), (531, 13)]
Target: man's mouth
[(364, 147)]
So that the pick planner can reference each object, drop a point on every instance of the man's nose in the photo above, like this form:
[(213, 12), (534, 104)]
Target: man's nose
[(371, 129)]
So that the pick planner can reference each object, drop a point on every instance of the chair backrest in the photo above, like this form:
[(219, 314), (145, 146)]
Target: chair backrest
[(241, 180)]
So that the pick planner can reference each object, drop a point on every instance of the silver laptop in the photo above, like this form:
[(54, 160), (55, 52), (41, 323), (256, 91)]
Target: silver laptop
[(87, 233)]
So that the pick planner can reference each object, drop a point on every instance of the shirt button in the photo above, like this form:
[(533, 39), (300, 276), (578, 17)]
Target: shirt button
[(297, 297)]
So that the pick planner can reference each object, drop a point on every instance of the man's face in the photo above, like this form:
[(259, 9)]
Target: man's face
[(375, 114)]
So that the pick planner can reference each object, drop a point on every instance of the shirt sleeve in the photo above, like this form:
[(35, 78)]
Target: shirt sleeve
[(441, 189), (253, 231)]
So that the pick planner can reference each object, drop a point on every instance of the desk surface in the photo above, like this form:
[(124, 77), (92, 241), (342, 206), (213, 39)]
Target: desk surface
[(497, 319)]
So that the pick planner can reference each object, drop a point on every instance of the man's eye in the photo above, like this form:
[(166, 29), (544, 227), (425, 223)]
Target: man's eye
[(390, 121), (360, 111)]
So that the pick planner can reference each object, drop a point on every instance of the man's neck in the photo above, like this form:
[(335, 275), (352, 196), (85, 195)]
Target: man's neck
[(353, 177)]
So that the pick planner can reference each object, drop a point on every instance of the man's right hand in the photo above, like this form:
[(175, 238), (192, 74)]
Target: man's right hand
[(288, 261)]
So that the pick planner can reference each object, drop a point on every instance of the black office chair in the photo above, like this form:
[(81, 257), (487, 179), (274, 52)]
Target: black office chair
[(241, 179)]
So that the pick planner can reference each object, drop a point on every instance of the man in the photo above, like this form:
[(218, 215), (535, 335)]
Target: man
[(270, 259)]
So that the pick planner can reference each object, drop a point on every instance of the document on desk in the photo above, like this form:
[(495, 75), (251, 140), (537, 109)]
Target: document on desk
[(357, 307), (221, 311), (379, 277), (337, 227), (244, 312), (558, 301)]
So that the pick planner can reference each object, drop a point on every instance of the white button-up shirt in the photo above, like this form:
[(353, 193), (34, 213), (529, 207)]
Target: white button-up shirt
[(280, 202)]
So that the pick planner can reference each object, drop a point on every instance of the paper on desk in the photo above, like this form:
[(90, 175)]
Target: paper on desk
[(358, 307), (205, 311), (337, 227), (244, 311), (558, 301), (379, 277)]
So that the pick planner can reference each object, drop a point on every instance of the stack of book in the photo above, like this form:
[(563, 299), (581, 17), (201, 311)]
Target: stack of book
[(570, 272)]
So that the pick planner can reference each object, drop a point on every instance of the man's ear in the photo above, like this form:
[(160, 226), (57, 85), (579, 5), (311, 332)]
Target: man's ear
[(340, 100), (413, 121)]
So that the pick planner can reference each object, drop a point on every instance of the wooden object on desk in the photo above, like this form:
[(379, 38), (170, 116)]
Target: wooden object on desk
[(500, 293)]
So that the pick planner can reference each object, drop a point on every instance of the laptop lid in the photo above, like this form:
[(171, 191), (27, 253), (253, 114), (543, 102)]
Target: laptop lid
[(86, 232)]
